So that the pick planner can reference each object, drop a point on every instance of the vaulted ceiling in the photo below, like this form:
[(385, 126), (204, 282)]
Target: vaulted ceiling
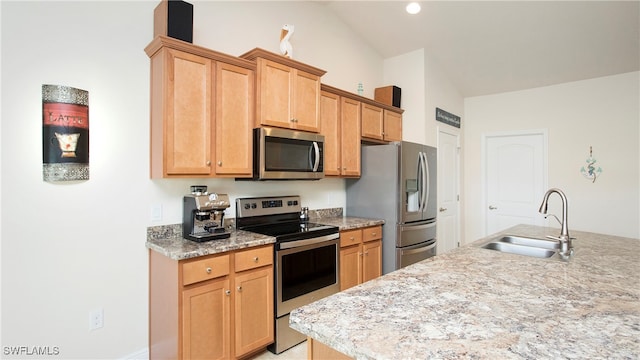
[(488, 47)]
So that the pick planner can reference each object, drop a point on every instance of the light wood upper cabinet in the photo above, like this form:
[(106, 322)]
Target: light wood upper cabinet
[(202, 111), (340, 124), (392, 126), (372, 122), (287, 92), (381, 125), (330, 125), (234, 120), (350, 122)]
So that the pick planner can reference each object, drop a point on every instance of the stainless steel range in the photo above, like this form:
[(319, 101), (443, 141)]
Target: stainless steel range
[(306, 257)]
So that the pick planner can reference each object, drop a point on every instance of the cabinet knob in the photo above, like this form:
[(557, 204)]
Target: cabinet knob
[(208, 270), (208, 162), (239, 288), (219, 163), (227, 292), (374, 234), (255, 259)]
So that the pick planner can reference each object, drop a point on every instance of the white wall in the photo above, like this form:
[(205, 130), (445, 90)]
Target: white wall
[(602, 113), (70, 248), (406, 71)]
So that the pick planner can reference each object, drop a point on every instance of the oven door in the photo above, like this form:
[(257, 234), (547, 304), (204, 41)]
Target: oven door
[(306, 271)]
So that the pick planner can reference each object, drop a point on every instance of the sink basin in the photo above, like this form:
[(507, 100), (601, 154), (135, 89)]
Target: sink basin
[(508, 247), (527, 241)]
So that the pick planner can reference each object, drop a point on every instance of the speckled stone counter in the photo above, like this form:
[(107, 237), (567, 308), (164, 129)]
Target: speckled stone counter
[(168, 241), (347, 222), (475, 303)]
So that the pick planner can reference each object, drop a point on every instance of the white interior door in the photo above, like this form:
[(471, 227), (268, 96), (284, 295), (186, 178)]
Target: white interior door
[(448, 191), (515, 179)]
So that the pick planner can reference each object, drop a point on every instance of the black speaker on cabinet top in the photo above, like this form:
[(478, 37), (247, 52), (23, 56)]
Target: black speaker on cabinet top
[(174, 18)]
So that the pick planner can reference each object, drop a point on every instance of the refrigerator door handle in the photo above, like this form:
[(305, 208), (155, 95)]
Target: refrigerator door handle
[(419, 227), (425, 180), (420, 178)]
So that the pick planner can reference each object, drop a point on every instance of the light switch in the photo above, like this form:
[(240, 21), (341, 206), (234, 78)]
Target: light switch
[(156, 212)]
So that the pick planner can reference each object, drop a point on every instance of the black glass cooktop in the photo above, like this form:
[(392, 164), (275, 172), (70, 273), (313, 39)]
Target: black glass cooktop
[(294, 230)]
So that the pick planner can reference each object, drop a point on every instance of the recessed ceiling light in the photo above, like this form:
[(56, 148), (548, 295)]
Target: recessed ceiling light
[(413, 8)]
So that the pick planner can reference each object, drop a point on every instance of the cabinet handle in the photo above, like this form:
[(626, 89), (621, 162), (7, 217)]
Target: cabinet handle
[(255, 259), (374, 234), (219, 163), (208, 162), (360, 254), (351, 238), (239, 288), (366, 253), (227, 292), (208, 270)]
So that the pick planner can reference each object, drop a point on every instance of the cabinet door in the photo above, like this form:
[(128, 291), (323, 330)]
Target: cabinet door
[(234, 109), (253, 310), (187, 137), (371, 260), (392, 126), (330, 128), (372, 120), (350, 126), (350, 266), (205, 321), (305, 100), (275, 90)]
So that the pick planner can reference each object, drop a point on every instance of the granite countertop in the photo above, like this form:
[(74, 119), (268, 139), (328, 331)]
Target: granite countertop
[(483, 304), (168, 239)]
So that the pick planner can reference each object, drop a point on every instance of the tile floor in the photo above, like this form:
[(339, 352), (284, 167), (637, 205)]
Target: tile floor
[(298, 352)]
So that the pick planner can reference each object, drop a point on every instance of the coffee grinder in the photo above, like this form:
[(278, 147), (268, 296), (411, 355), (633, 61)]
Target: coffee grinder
[(198, 209)]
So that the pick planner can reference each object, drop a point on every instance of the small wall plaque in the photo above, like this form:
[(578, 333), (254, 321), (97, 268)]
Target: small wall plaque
[(447, 118), (65, 133)]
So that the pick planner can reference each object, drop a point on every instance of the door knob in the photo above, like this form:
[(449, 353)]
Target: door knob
[(491, 207), (443, 209)]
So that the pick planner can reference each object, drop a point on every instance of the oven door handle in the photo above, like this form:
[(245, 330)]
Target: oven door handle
[(316, 240)]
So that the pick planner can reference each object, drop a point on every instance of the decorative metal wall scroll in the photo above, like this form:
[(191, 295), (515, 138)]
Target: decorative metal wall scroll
[(65, 133), (591, 172)]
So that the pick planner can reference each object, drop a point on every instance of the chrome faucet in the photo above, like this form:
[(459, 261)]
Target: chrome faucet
[(566, 248)]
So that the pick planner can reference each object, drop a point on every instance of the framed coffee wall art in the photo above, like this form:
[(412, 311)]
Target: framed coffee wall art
[(65, 133)]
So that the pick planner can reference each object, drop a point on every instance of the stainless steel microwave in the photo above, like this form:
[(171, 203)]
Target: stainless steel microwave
[(281, 154)]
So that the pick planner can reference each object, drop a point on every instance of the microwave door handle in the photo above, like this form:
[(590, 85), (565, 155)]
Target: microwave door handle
[(316, 152)]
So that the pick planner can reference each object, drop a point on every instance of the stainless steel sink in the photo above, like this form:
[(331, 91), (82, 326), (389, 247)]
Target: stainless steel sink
[(521, 245), (527, 241)]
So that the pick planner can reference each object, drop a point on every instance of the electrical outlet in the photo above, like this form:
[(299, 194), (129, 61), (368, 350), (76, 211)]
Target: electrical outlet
[(96, 319)]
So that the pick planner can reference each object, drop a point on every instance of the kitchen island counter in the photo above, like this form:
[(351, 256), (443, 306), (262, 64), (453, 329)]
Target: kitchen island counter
[(484, 304)]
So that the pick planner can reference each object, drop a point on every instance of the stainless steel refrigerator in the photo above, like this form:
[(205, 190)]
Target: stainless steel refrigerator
[(398, 184)]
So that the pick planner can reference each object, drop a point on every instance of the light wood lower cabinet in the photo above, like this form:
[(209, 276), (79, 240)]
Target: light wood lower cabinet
[(360, 256), (319, 351), (211, 307)]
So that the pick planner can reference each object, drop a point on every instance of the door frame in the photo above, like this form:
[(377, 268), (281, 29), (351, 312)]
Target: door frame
[(457, 134), (483, 166)]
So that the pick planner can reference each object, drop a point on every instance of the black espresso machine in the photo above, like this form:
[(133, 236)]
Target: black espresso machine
[(203, 215)]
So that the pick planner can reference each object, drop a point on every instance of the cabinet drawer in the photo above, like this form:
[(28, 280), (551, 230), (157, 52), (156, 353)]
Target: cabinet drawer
[(350, 237), (253, 258), (205, 269), (372, 233)]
